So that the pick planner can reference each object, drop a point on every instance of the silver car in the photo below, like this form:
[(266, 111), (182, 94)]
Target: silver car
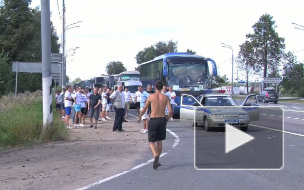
[(215, 110)]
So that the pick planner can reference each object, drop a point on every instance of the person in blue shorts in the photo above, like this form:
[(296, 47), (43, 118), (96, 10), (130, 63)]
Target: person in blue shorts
[(68, 105)]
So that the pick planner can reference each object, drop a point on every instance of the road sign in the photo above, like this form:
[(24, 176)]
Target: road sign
[(235, 138), (272, 80), (34, 67), (56, 57), (241, 81)]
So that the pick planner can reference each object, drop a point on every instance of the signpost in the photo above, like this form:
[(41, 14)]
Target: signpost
[(51, 64), (272, 80), (35, 67)]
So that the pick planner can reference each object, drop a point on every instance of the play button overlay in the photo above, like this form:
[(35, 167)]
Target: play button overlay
[(232, 147), (235, 138)]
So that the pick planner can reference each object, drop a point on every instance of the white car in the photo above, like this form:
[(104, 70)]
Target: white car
[(215, 110)]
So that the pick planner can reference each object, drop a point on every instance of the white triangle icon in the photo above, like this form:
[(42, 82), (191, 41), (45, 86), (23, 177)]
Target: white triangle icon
[(235, 138)]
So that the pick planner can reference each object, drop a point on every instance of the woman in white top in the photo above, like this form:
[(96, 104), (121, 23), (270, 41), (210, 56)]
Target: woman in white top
[(84, 107), (138, 100)]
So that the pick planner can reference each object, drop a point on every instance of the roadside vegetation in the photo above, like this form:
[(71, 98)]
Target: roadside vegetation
[(21, 121)]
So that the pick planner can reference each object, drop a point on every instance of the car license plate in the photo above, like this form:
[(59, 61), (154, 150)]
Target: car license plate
[(272, 97), (232, 121)]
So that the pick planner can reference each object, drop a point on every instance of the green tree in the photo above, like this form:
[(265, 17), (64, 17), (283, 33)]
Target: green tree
[(20, 40), (153, 51), (77, 80), (16, 28), (190, 51), (67, 79), (5, 73), (218, 81), (115, 67), (245, 59), (268, 47), (293, 77)]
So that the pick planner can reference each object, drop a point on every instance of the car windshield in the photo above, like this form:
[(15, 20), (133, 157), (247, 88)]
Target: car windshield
[(219, 101)]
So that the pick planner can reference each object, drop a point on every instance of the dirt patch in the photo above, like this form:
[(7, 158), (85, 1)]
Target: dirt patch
[(89, 155)]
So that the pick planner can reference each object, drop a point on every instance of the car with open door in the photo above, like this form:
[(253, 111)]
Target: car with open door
[(215, 110)]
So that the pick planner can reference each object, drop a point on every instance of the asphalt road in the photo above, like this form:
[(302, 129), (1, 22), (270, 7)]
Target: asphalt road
[(178, 171)]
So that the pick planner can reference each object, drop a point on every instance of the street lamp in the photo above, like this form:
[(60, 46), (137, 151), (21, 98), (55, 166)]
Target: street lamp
[(298, 26), (228, 46), (70, 26)]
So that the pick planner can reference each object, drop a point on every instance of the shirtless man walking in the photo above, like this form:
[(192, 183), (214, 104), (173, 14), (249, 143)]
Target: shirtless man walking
[(158, 121)]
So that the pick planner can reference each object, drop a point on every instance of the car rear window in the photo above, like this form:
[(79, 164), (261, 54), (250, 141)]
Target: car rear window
[(271, 92)]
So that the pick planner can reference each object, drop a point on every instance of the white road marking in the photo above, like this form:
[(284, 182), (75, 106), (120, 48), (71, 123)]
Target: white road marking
[(299, 111), (295, 109), (133, 115), (176, 141), (295, 118), (278, 130)]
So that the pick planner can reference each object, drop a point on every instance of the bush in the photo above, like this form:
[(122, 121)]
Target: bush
[(21, 121)]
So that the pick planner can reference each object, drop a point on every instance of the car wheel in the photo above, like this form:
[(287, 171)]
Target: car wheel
[(206, 124), (264, 101), (275, 102), (244, 128)]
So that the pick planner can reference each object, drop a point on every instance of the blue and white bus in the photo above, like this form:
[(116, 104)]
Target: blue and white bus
[(185, 72), (129, 75)]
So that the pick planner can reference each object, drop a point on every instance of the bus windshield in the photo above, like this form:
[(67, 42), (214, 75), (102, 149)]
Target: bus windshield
[(130, 77), (185, 73), (132, 89)]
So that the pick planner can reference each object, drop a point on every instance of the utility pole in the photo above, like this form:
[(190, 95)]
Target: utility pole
[(46, 62), (63, 71)]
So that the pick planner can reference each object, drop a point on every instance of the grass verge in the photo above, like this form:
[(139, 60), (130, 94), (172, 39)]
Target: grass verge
[(21, 122)]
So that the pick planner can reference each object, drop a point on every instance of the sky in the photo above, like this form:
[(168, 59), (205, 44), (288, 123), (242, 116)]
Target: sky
[(116, 30)]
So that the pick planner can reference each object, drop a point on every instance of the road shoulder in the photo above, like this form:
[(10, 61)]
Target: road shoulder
[(89, 155)]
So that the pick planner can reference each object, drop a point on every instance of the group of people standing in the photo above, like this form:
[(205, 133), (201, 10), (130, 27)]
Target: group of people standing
[(81, 102), (154, 108)]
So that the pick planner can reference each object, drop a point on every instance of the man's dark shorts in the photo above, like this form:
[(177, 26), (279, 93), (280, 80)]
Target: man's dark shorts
[(84, 111), (157, 129), (137, 104), (62, 106), (58, 106), (94, 113)]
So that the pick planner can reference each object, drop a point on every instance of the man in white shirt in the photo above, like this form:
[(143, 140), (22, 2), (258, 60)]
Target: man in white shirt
[(104, 100), (119, 106), (73, 112), (172, 96), (58, 99), (128, 98), (138, 100), (164, 91), (68, 105), (77, 107), (62, 108)]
